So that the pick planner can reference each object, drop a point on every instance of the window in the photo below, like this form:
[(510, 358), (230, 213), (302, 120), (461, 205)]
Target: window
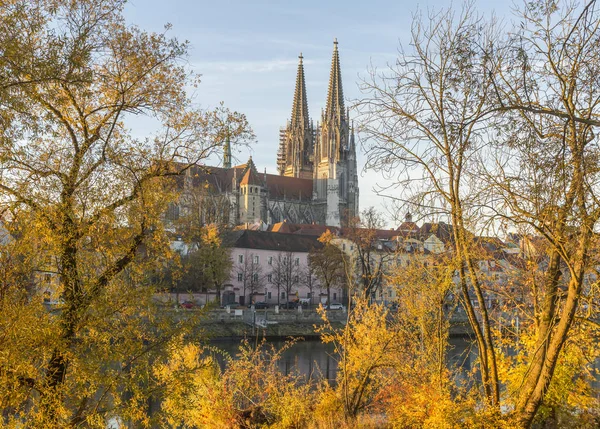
[(172, 212), (270, 260), (334, 296), (297, 261), (270, 278), (295, 279), (240, 277), (308, 295), (241, 259), (283, 295), (255, 278), (269, 295), (344, 247), (351, 247), (256, 259)]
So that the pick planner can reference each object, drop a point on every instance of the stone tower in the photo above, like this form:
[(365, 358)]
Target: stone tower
[(335, 173), (227, 152), (296, 141)]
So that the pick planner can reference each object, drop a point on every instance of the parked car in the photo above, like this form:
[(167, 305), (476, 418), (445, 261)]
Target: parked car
[(290, 305), (232, 305), (305, 302), (334, 306), (187, 304), (259, 305)]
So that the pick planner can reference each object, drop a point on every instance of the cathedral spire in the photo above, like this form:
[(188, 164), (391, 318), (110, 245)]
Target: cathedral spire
[(335, 94), (300, 106), (227, 152)]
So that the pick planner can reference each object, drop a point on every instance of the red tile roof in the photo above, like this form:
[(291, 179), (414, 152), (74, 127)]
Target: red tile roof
[(291, 188)]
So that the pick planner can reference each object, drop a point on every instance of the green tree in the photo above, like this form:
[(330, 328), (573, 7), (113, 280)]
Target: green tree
[(207, 264)]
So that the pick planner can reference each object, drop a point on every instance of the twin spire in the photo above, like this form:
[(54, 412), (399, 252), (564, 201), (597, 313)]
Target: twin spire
[(335, 93), (300, 106)]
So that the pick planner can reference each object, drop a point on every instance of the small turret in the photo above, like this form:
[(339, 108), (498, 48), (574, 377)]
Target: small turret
[(227, 152)]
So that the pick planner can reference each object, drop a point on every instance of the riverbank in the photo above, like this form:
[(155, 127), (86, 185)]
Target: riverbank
[(239, 330), (219, 324)]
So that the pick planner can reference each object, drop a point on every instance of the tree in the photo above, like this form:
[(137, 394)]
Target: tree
[(207, 265), (546, 181), (252, 275), (328, 263), (425, 117), (74, 76), (502, 128), (310, 280), (285, 273), (370, 260)]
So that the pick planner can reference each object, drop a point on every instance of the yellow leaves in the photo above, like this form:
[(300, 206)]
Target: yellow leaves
[(195, 395), (211, 235), (326, 237)]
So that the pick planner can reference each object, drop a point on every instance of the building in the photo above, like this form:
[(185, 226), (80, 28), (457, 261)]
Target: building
[(273, 267), (317, 180)]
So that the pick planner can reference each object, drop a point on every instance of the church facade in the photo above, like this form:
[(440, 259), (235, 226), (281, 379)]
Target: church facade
[(317, 180)]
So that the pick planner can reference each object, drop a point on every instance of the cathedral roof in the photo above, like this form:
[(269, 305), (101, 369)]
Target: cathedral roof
[(335, 93), (290, 188), (221, 180)]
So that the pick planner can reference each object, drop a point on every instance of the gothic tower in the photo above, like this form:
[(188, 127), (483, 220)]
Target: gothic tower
[(296, 141), (227, 152), (335, 173)]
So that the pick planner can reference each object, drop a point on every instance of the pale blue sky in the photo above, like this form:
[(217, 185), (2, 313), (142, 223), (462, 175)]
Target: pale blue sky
[(247, 54)]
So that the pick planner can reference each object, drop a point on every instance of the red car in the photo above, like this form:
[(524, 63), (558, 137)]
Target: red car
[(187, 304)]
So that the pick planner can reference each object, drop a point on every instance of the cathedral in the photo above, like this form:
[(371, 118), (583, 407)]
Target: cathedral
[(317, 180)]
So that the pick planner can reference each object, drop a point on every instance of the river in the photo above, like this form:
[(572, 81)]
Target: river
[(314, 359)]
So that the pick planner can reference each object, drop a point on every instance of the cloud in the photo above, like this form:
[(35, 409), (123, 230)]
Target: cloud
[(262, 66)]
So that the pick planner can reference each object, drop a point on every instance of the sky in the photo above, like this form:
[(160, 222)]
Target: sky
[(247, 53)]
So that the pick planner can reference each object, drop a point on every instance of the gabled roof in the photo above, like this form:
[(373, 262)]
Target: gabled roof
[(263, 240), (490, 245), (441, 230), (408, 229), (251, 177), (290, 188)]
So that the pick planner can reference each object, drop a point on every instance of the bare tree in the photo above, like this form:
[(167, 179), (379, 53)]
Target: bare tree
[(252, 275), (545, 176), (502, 129), (370, 254), (329, 264), (423, 123), (286, 273), (309, 278)]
